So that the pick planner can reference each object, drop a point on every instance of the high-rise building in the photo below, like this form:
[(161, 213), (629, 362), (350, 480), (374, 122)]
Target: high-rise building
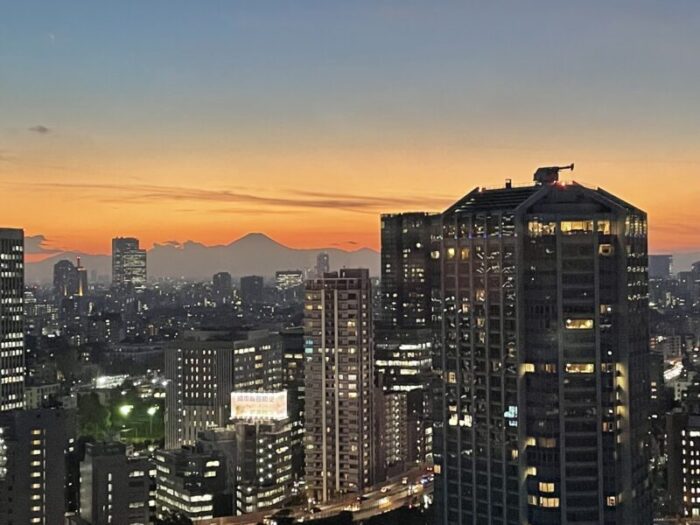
[(406, 281), (222, 287), (339, 370), (65, 279), (403, 368), (114, 488), (192, 483), (660, 266), (323, 264), (12, 371), (263, 461), (251, 289), (290, 285), (33, 448), (544, 358), (82, 279), (204, 368), (128, 263), (294, 361)]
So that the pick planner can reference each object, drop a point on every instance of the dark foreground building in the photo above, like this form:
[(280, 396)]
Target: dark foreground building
[(542, 347)]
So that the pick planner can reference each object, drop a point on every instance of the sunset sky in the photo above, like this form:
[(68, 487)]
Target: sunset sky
[(206, 120)]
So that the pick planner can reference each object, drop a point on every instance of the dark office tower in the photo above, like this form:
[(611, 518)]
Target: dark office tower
[(82, 279), (114, 488), (192, 483), (128, 263), (65, 279), (222, 287), (405, 265), (323, 264), (660, 266), (263, 462), (339, 411), (11, 319), (33, 444), (544, 358), (294, 361), (251, 289)]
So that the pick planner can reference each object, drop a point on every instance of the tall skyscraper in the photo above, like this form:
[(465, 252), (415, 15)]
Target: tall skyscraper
[(323, 264), (222, 287), (128, 263), (65, 279), (82, 279), (33, 448), (339, 370), (251, 289), (406, 282), (12, 370), (544, 358)]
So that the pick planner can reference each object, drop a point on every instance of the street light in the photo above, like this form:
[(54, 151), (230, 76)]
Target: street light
[(152, 412), (125, 410)]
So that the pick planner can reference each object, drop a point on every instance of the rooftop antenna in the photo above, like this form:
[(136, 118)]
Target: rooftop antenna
[(550, 175)]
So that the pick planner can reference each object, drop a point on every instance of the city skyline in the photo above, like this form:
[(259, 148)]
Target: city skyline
[(180, 133)]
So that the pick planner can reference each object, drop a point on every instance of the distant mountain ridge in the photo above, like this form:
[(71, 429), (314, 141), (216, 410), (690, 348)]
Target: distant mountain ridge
[(252, 254)]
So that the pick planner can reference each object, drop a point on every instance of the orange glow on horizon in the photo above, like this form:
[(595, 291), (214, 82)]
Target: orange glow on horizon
[(326, 198)]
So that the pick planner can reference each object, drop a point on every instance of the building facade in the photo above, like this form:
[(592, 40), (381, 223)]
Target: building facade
[(114, 488), (406, 283), (12, 355), (33, 448), (339, 390), (543, 352), (204, 368), (129, 263)]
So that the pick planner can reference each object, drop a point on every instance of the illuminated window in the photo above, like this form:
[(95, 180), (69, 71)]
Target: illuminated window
[(464, 254), (451, 253), (546, 487), (528, 367), (574, 227), (580, 368), (611, 501), (579, 324), (549, 502), (435, 254), (606, 250), (538, 229), (603, 227)]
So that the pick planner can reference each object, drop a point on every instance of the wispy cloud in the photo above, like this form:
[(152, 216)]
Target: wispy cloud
[(291, 199), (34, 244), (41, 130)]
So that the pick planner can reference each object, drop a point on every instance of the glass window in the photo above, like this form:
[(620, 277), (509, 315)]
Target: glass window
[(574, 227)]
